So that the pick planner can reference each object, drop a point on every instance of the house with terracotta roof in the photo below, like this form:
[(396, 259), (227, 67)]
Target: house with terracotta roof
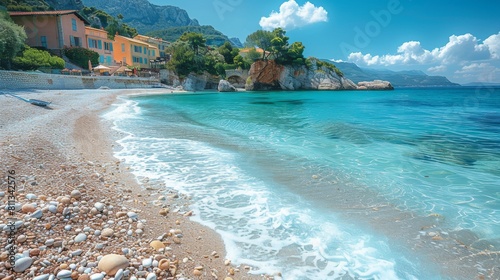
[(98, 41), (53, 29), (128, 51)]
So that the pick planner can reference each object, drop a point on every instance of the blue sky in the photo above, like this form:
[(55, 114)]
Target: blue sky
[(457, 39)]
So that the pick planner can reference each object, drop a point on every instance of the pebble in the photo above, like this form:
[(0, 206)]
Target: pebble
[(97, 276), (67, 227), (151, 276), (76, 253), (31, 196), (196, 272), (157, 245), (65, 200), (37, 214), (63, 274), (147, 262), (99, 206), (28, 208), (52, 208), (84, 277), (164, 264), (49, 242), (76, 194), (80, 237), (119, 274), (133, 216), (42, 277), (112, 263), (22, 264), (21, 238), (107, 232)]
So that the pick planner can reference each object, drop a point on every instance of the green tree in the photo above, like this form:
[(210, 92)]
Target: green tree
[(214, 63), (12, 38), (262, 39), (32, 59), (279, 44), (228, 52), (195, 40), (181, 58)]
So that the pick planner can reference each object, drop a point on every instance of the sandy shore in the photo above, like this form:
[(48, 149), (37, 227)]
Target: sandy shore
[(76, 204)]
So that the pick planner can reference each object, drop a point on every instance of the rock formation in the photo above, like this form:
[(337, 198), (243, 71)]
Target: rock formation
[(375, 85), (268, 75), (225, 86), (143, 15)]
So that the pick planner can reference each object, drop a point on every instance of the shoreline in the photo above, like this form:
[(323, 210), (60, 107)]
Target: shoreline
[(68, 150)]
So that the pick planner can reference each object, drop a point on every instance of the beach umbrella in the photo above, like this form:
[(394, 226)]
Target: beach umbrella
[(101, 67)]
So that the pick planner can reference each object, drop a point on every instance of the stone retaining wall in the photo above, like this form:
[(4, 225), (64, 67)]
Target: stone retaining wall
[(29, 80)]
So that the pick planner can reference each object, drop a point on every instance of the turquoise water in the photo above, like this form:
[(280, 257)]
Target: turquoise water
[(332, 185)]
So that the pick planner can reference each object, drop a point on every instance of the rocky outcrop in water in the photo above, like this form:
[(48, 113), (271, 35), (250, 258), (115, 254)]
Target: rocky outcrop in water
[(268, 75), (225, 86), (193, 82), (375, 85)]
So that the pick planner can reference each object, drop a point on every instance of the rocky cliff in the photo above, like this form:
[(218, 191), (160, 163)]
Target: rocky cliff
[(65, 4), (143, 15), (268, 75)]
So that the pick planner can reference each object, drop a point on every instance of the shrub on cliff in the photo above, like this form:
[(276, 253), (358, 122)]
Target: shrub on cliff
[(81, 56), (32, 59)]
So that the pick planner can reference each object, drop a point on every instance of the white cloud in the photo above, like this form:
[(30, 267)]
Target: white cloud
[(437, 69), (481, 72), (458, 49), (493, 43), (291, 16), (463, 56)]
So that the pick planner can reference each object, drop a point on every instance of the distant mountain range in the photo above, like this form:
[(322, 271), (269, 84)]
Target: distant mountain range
[(166, 22), (143, 15), (412, 78)]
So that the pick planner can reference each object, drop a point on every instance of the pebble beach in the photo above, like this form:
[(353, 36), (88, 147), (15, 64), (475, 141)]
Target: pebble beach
[(70, 210)]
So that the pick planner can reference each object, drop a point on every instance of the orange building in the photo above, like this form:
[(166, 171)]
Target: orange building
[(97, 40), (52, 29), (134, 52)]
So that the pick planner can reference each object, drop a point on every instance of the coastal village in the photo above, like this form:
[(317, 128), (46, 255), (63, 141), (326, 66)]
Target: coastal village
[(56, 30)]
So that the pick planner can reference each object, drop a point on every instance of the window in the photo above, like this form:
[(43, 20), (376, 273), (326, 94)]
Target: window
[(99, 44), (108, 60), (78, 42), (145, 51), (101, 59), (123, 47), (138, 49), (92, 43), (154, 53), (43, 41), (108, 46), (73, 24)]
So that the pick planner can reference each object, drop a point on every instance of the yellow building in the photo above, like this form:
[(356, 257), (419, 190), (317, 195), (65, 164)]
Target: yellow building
[(128, 51), (161, 44), (97, 40)]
